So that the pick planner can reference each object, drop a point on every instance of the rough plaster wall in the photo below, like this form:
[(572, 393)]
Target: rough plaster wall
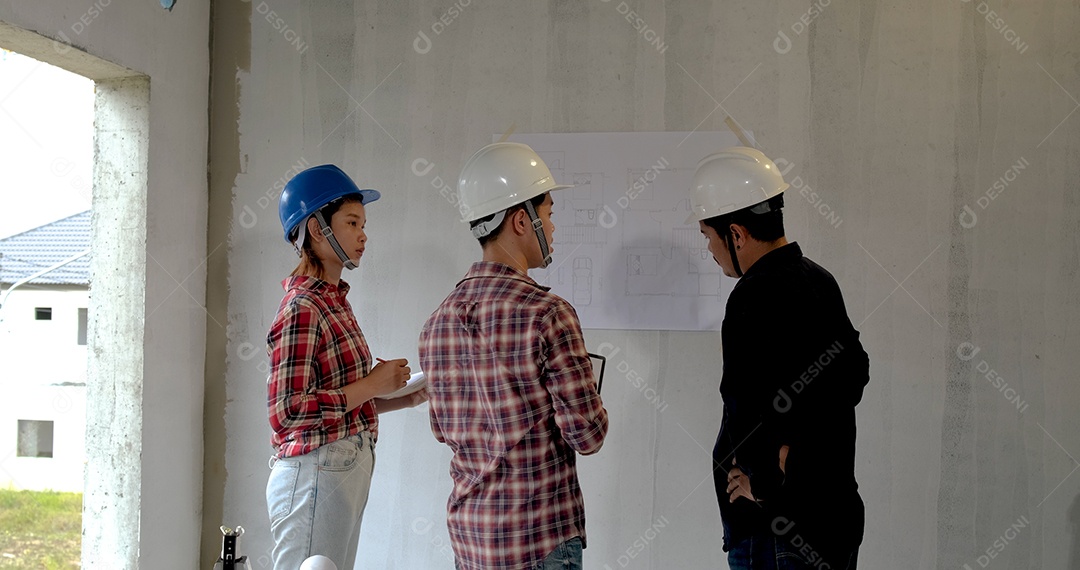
[(896, 114), (163, 455)]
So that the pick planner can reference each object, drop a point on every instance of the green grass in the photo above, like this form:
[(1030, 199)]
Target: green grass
[(40, 529)]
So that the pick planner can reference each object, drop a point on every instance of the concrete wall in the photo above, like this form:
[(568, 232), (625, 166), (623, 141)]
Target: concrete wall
[(143, 500), (896, 116), (891, 116)]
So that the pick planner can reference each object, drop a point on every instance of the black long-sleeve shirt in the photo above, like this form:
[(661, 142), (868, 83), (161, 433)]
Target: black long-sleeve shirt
[(794, 370)]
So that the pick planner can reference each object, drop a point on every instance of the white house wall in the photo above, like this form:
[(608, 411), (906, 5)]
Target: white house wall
[(65, 407), (37, 357), (39, 352)]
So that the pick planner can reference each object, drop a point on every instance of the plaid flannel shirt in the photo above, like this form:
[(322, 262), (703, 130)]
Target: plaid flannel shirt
[(316, 348), (512, 393)]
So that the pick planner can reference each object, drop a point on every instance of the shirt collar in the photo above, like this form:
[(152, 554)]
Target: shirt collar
[(309, 283), (496, 270), (778, 256)]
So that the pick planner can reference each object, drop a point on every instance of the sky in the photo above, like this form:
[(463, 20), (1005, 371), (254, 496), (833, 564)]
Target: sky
[(46, 143)]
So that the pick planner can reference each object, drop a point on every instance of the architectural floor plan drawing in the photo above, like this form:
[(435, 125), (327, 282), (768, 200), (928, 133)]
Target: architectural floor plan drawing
[(624, 255)]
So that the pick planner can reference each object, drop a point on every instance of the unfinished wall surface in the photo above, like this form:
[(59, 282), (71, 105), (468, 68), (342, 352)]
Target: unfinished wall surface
[(942, 135), (143, 500)]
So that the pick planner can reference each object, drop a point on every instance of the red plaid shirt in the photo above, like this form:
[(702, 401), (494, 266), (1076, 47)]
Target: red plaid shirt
[(512, 393), (315, 348)]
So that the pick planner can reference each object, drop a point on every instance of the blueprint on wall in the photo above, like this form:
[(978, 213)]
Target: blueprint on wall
[(624, 255)]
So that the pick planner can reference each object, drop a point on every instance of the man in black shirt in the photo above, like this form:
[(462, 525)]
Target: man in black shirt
[(794, 370)]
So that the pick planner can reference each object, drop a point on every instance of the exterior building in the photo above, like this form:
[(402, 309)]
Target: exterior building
[(43, 343)]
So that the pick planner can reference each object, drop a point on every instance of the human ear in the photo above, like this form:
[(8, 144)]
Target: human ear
[(738, 235), (313, 229), (520, 219)]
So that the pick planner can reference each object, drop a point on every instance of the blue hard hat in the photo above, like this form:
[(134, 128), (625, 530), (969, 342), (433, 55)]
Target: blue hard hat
[(312, 189)]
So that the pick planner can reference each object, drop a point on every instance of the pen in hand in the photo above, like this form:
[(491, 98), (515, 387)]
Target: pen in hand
[(404, 380)]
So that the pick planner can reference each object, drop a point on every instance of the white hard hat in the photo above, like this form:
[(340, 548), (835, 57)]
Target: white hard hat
[(502, 175), (318, 562), (733, 179)]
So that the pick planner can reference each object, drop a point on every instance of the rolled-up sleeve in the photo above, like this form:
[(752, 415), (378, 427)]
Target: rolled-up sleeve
[(579, 412), (295, 402)]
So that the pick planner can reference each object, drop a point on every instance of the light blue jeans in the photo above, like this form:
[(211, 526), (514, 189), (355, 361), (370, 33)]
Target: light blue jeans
[(316, 502)]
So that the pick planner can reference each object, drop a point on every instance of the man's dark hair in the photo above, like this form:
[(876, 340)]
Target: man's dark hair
[(767, 227), (509, 212)]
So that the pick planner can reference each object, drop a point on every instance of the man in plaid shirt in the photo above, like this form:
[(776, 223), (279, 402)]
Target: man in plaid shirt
[(509, 380)]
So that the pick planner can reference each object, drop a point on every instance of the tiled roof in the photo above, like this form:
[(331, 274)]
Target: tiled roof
[(22, 255)]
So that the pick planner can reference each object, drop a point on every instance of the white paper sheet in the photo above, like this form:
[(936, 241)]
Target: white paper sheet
[(416, 381), (624, 255)]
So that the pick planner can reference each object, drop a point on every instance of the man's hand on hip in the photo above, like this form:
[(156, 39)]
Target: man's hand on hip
[(738, 485)]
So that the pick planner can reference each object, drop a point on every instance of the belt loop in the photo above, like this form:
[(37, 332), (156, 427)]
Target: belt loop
[(273, 460)]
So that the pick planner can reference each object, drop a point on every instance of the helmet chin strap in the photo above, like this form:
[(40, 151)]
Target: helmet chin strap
[(734, 256), (324, 229), (538, 227), (773, 204), (298, 245)]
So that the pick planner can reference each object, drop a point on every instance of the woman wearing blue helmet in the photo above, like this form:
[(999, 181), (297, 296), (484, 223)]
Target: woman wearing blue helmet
[(323, 386)]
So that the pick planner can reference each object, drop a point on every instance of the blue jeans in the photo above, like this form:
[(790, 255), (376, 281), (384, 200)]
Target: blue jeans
[(566, 556), (765, 552), (316, 503)]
